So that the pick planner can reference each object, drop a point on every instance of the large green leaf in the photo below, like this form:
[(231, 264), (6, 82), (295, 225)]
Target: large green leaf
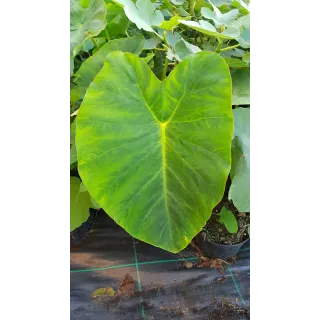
[(207, 28), (80, 202), (239, 191), (86, 20), (90, 68), (156, 155), (240, 87), (143, 13)]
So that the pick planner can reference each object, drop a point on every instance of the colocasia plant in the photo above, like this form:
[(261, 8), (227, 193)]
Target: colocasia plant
[(159, 114)]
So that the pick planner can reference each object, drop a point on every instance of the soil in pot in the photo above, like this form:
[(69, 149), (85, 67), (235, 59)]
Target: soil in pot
[(216, 232)]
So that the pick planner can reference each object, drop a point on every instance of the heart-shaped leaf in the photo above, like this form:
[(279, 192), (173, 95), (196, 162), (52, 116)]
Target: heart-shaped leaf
[(90, 68), (143, 13), (207, 28), (80, 202), (239, 191), (228, 219), (86, 21), (220, 19), (156, 155)]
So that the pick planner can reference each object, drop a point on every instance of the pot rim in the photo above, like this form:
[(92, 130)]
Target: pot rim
[(225, 245)]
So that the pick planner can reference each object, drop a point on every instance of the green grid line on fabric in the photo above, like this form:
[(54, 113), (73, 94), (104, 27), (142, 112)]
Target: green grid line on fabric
[(141, 263), (133, 264), (236, 285), (138, 278)]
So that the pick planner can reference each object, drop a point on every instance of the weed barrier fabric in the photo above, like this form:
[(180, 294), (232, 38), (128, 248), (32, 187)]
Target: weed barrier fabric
[(165, 288)]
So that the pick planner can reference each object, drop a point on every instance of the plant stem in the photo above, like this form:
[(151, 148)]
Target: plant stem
[(159, 49), (158, 35), (95, 43), (192, 4), (219, 45), (230, 48), (108, 35), (164, 72)]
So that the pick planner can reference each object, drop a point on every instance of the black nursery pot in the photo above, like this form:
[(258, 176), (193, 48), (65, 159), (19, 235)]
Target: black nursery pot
[(217, 250)]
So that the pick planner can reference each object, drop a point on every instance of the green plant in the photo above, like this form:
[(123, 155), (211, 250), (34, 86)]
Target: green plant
[(156, 154)]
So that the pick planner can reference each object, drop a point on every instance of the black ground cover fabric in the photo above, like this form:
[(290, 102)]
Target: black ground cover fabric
[(165, 287)]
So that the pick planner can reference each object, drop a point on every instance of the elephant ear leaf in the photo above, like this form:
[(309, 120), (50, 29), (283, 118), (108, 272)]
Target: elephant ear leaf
[(156, 155)]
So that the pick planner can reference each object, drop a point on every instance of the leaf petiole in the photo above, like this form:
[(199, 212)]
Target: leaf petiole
[(230, 48)]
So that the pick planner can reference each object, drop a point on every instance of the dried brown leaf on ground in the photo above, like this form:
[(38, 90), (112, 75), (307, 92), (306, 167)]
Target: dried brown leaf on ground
[(187, 264), (127, 285)]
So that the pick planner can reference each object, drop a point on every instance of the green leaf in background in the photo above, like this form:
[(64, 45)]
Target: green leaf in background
[(85, 22), (172, 23), (240, 87), (80, 202), (148, 58), (117, 20), (246, 57), (90, 68), (207, 28), (241, 5), (151, 43), (184, 49), (239, 191), (228, 219), (236, 63), (156, 155), (220, 19), (243, 24), (73, 151), (143, 13), (177, 2), (87, 45)]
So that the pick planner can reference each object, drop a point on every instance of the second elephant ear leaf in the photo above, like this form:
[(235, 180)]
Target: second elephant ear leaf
[(91, 67), (156, 154), (239, 191)]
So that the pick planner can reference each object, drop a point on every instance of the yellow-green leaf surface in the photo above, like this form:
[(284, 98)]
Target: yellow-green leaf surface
[(86, 20), (90, 68), (156, 155), (80, 202)]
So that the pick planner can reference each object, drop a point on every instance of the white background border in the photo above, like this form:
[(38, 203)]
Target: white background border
[(285, 88)]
